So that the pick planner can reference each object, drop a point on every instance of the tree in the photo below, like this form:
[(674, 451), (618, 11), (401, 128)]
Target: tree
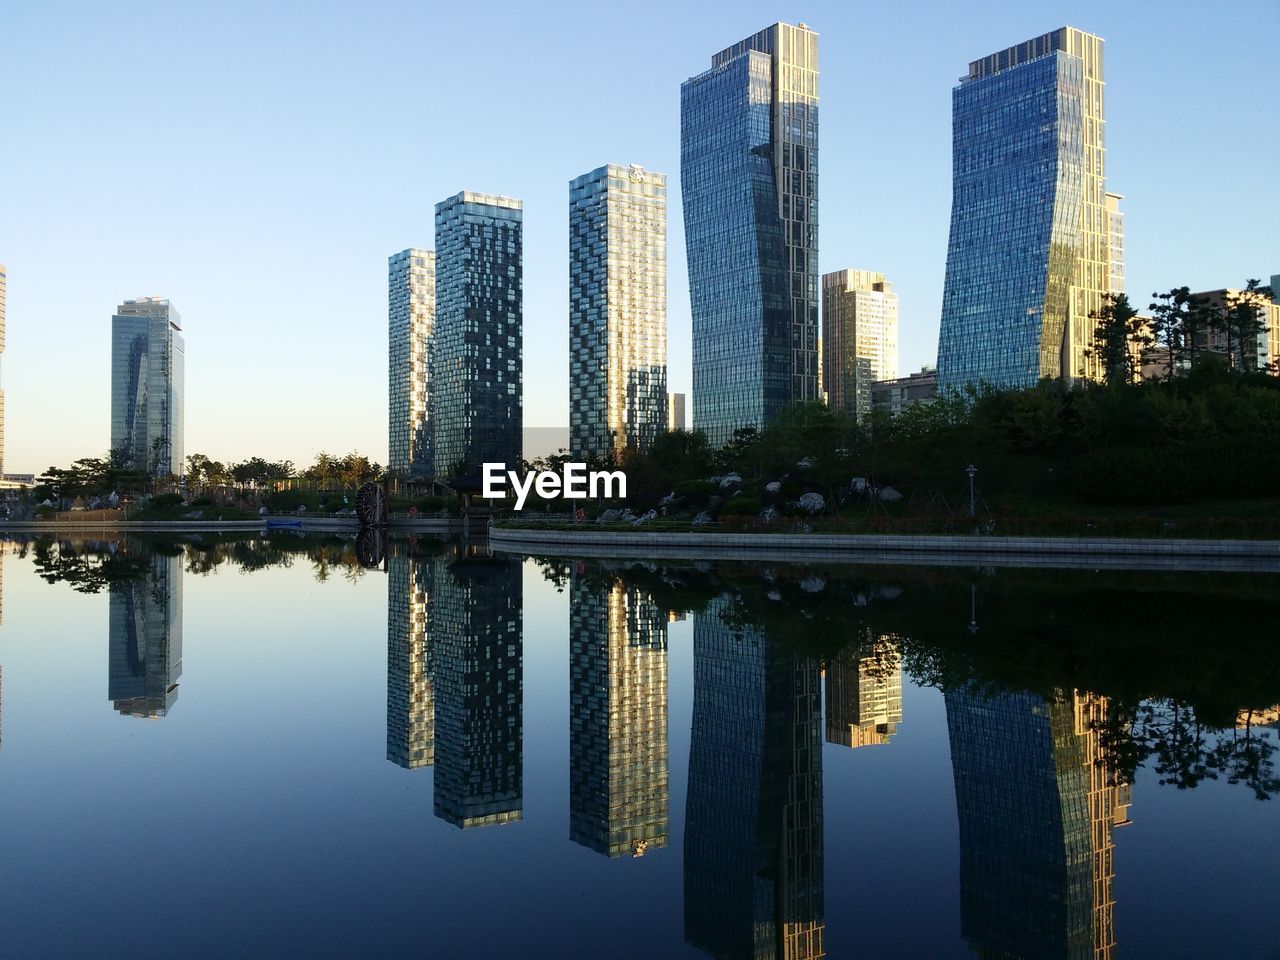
[(1173, 327), (1243, 319), (1118, 339)]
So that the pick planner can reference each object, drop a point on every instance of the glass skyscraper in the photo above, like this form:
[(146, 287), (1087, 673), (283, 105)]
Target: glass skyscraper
[(749, 182), (1038, 801), (147, 363), (411, 711), (411, 310), (753, 857), (145, 639), (4, 282), (477, 656), (859, 337), (617, 310), (1029, 254), (618, 767), (476, 356)]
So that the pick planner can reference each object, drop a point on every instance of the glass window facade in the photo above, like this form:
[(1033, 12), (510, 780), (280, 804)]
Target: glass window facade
[(476, 634), (411, 310), (618, 771), (753, 868), (617, 310), (859, 337), (1029, 252), (148, 359), (4, 280), (476, 357), (411, 710), (145, 640), (749, 182)]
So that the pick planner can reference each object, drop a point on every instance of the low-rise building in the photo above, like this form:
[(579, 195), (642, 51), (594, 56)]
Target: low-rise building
[(894, 396)]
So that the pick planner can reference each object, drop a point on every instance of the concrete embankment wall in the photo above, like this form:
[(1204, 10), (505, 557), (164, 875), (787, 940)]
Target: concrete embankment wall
[(1083, 552)]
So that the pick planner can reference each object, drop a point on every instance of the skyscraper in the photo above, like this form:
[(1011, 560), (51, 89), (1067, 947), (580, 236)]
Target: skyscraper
[(4, 282), (753, 857), (1038, 802), (859, 337), (1029, 254), (864, 693), (617, 310), (411, 311), (476, 357), (749, 182), (477, 656), (618, 767), (1115, 243), (677, 419), (410, 698), (145, 639), (148, 358)]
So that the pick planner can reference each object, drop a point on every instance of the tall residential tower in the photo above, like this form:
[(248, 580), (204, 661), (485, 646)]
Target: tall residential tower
[(148, 358), (749, 181), (4, 280), (1029, 254), (411, 311), (859, 337), (617, 310), (476, 356)]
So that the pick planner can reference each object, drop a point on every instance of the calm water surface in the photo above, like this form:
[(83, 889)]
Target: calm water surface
[(265, 748)]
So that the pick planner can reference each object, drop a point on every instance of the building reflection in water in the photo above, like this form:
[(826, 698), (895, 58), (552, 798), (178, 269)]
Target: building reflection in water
[(1038, 803), (145, 637), (864, 693), (618, 767), (410, 699), (477, 649), (753, 867)]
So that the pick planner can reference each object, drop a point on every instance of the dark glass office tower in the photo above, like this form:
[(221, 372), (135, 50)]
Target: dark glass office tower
[(476, 357), (618, 767), (145, 640), (148, 359), (1037, 802), (410, 698), (749, 182), (476, 636), (753, 866), (1029, 253)]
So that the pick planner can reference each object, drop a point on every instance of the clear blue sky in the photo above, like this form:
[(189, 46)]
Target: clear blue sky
[(258, 162)]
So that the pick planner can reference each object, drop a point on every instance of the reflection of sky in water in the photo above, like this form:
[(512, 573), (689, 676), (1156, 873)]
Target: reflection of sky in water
[(261, 815)]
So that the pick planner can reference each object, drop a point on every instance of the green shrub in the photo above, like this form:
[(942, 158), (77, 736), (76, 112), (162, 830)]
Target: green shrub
[(204, 502), (695, 489), (741, 507), (162, 500)]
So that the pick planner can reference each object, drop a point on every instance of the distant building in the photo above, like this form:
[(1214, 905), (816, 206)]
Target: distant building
[(477, 342), (148, 359), (477, 661), (894, 396), (677, 419), (1257, 352), (411, 311), (617, 310), (864, 694), (749, 189), (618, 766), (1029, 252), (411, 711), (4, 282), (859, 337), (144, 632), (1115, 243)]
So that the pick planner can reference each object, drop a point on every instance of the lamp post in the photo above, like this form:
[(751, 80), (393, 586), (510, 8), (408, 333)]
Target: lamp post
[(971, 470)]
